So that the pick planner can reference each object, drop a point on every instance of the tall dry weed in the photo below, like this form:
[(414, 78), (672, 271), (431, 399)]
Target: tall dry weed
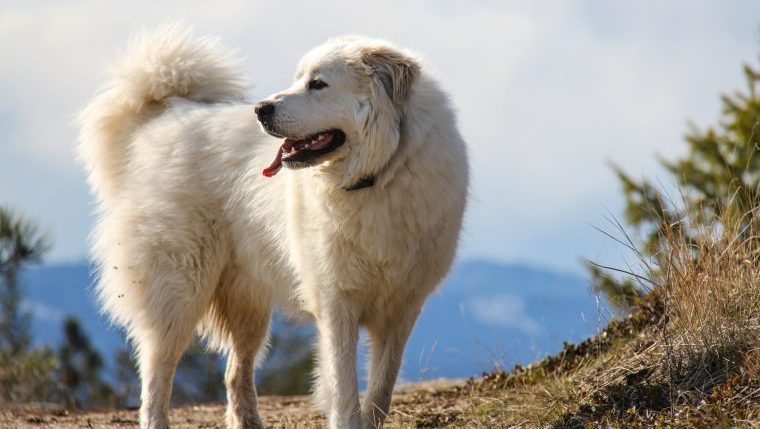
[(709, 279)]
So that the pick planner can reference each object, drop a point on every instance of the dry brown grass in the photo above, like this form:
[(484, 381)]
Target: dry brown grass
[(689, 357), (711, 285)]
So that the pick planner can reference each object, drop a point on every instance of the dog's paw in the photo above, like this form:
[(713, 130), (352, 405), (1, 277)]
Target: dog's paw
[(245, 422)]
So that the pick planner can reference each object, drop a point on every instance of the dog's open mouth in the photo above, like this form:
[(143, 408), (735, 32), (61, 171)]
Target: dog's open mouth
[(306, 152)]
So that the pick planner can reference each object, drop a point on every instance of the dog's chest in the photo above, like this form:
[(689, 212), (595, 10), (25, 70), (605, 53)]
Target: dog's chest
[(363, 242)]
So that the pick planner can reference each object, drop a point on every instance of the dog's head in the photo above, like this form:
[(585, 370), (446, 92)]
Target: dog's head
[(343, 110)]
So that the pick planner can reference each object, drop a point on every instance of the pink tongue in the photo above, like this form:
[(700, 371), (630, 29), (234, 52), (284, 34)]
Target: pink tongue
[(276, 165)]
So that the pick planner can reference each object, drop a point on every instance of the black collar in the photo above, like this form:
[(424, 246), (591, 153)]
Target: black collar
[(364, 182)]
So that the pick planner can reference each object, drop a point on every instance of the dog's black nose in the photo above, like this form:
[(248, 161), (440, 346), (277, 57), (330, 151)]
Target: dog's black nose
[(264, 109)]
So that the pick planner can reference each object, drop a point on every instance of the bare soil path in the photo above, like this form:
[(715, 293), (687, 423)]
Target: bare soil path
[(413, 406)]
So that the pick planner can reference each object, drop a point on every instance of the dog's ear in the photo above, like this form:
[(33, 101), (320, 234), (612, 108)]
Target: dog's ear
[(395, 70)]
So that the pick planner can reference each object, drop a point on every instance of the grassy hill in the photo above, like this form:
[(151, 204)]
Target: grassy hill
[(689, 356)]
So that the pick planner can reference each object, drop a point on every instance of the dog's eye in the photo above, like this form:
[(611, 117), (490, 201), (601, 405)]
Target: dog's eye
[(316, 84)]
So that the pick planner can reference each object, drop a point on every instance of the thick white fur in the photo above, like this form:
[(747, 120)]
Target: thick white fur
[(192, 238)]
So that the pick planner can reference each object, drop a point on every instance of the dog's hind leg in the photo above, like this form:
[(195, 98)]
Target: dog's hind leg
[(178, 292), (158, 357), (242, 412), (388, 337), (243, 322), (337, 390)]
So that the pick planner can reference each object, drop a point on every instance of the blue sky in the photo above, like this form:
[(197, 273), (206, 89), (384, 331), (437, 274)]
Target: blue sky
[(548, 92)]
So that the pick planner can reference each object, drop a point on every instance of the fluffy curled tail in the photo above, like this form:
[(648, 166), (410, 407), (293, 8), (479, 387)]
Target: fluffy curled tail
[(167, 62)]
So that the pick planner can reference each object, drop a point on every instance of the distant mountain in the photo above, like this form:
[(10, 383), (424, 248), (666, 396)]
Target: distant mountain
[(485, 314), (488, 314), (56, 291)]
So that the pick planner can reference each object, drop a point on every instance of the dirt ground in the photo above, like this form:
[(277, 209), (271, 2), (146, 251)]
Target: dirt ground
[(283, 412), (411, 405)]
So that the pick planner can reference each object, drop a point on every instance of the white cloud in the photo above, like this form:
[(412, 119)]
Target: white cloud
[(547, 92), (503, 311)]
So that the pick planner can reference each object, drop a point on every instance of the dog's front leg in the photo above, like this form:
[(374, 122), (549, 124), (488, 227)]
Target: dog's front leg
[(337, 390), (388, 334)]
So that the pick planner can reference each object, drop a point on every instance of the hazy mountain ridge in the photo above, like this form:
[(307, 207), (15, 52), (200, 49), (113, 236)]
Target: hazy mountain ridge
[(485, 314)]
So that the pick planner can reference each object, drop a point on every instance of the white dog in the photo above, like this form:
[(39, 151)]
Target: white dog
[(193, 238)]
